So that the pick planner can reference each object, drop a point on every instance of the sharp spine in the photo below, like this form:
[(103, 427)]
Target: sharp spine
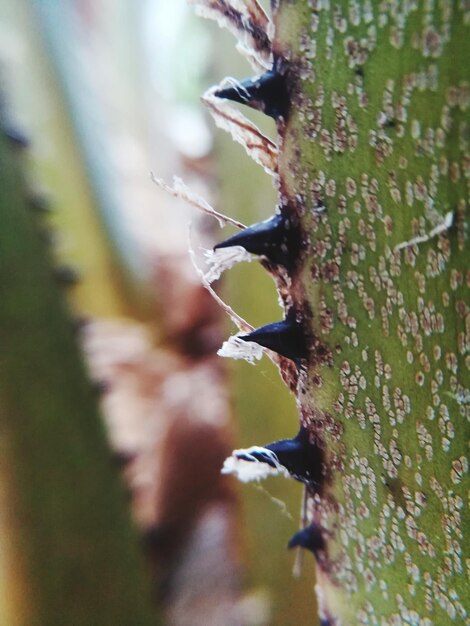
[(39, 203), (302, 459), (266, 93), (67, 275), (311, 538), (16, 136), (287, 338), (272, 238)]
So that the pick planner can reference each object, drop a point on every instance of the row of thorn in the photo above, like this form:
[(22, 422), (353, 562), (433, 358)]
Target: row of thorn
[(275, 240), (65, 273)]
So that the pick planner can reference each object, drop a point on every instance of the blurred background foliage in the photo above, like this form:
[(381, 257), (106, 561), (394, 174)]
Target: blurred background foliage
[(108, 91)]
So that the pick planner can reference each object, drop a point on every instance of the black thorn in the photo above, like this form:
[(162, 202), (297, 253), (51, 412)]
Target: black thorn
[(67, 275), (274, 238), (262, 455), (302, 459), (266, 93), (154, 538), (79, 323), (39, 203), (16, 136), (311, 538), (287, 338), (100, 387), (122, 458), (48, 236)]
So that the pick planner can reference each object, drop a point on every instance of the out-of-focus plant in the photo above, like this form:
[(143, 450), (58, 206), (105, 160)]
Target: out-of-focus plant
[(70, 552), (90, 149)]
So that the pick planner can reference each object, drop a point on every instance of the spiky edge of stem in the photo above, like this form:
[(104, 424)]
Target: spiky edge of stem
[(374, 162), (70, 536)]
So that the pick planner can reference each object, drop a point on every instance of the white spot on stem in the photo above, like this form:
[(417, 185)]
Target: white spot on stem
[(437, 230)]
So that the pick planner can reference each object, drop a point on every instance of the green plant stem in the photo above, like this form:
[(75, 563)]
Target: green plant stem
[(70, 541), (375, 153)]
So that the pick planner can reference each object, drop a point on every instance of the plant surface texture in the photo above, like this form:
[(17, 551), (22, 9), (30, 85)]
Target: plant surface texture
[(370, 254)]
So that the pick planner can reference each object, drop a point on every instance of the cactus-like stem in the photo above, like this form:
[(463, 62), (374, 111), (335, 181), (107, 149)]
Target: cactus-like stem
[(378, 133), (68, 549), (374, 165)]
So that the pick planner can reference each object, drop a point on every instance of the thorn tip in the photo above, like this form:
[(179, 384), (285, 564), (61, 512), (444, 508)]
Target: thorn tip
[(266, 93), (287, 338), (302, 460), (274, 238)]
